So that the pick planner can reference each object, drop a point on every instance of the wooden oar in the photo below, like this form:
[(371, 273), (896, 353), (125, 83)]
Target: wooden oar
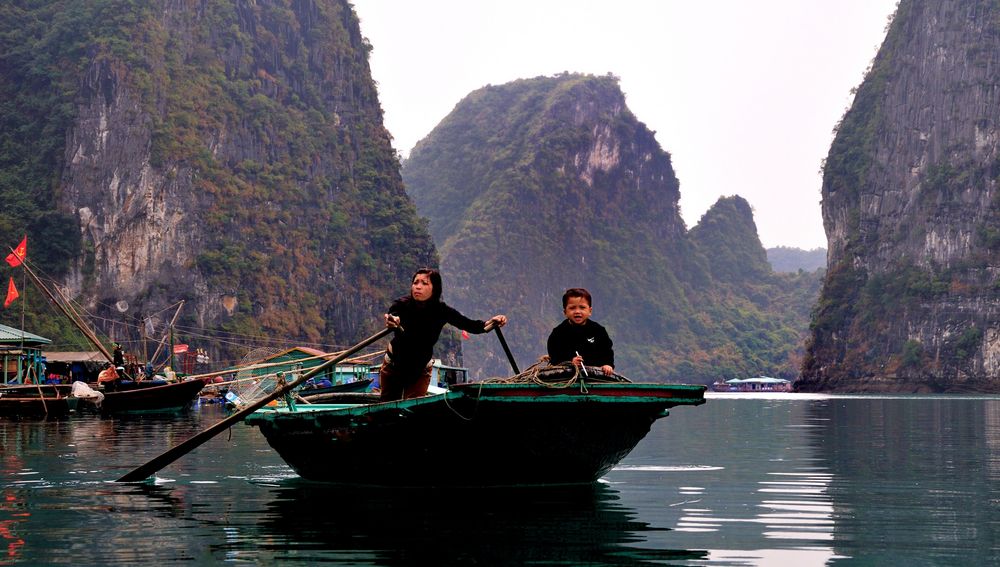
[(506, 349), (143, 472)]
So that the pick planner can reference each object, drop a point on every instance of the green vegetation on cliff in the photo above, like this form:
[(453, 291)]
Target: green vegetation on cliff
[(786, 259), (265, 122), (911, 209), (547, 183), (42, 49)]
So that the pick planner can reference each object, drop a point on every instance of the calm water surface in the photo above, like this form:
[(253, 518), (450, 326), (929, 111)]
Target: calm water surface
[(741, 480)]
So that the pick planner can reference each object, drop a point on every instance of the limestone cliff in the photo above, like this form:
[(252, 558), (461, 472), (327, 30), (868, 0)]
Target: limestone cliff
[(542, 184), (230, 153), (910, 207), (567, 163)]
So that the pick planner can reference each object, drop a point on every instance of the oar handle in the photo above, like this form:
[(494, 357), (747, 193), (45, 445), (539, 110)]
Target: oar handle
[(143, 472), (506, 349)]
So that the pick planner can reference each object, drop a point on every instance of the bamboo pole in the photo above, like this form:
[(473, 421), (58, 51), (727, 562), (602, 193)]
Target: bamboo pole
[(74, 319)]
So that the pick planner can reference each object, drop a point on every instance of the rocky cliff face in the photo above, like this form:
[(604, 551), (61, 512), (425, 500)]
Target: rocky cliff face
[(543, 184), (135, 218), (910, 207), (232, 154), (526, 186)]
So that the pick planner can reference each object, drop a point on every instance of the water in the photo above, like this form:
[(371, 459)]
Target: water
[(741, 480)]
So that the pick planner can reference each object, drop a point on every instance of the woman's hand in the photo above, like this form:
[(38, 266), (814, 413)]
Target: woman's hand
[(391, 321), (496, 321), (607, 370)]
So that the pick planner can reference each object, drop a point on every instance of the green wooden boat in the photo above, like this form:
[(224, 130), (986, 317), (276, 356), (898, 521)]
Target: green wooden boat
[(45, 400), (477, 434)]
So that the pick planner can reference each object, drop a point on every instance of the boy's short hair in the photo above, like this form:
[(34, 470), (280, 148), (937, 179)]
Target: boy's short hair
[(577, 292)]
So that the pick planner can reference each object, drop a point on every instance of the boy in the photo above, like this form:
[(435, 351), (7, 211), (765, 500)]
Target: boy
[(578, 339)]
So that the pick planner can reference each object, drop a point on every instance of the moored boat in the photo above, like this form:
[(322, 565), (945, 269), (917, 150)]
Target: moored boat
[(43, 400), (150, 396), (480, 434)]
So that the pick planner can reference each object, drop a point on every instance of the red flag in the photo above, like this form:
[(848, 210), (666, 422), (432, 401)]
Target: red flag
[(465, 335), (180, 349), (11, 294), (19, 254)]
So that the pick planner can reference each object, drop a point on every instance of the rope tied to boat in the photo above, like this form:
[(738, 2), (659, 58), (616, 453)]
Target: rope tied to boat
[(548, 375), (561, 375)]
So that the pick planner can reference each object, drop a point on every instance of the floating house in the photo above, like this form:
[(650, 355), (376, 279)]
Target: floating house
[(70, 366), (21, 356), (758, 384), (298, 360)]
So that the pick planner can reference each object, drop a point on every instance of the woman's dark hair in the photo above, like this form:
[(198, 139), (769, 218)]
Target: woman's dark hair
[(435, 277), (577, 292)]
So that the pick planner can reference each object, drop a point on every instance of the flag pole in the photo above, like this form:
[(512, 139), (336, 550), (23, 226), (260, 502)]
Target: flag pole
[(22, 370), (24, 306), (69, 312)]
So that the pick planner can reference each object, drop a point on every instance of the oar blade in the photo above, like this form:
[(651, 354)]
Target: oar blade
[(145, 471)]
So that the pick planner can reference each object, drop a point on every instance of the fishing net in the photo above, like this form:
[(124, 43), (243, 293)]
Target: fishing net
[(253, 382)]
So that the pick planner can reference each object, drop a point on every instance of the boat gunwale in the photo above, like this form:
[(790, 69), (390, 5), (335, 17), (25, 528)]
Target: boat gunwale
[(629, 392), (157, 387), (568, 395)]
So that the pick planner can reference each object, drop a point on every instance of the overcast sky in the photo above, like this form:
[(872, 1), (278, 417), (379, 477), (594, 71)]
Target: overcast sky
[(743, 94)]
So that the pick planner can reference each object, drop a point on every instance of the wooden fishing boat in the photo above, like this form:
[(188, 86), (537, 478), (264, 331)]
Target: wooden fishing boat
[(44, 400), (127, 395), (479, 434), (149, 396)]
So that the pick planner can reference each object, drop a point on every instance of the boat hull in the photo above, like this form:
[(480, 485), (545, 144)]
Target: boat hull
[(47, 400), (481, 435), (142, 398)]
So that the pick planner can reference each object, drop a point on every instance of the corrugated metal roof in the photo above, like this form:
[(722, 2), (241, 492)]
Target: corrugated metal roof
[(76, 356), (12, 336)]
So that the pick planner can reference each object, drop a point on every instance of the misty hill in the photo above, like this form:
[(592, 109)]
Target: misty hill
[(787, 259), (911, 210), (231, 155), (543, 184)]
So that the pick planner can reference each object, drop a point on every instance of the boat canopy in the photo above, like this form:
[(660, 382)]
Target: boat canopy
[(758, 380)]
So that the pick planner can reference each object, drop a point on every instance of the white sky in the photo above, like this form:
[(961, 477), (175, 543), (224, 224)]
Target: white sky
[(743, 94)]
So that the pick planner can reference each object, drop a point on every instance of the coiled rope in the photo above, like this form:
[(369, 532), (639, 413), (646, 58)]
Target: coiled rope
[(549, 375), (561, 375)]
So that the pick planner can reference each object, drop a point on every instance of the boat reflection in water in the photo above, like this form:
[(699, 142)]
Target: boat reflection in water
[(564, 525)]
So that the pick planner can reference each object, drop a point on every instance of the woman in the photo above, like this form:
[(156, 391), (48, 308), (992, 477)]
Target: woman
[(419, 318)]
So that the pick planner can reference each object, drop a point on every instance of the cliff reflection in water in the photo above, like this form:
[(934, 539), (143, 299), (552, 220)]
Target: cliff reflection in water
[(917, 479), (770, 480), (560, 525), (741, 480)]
